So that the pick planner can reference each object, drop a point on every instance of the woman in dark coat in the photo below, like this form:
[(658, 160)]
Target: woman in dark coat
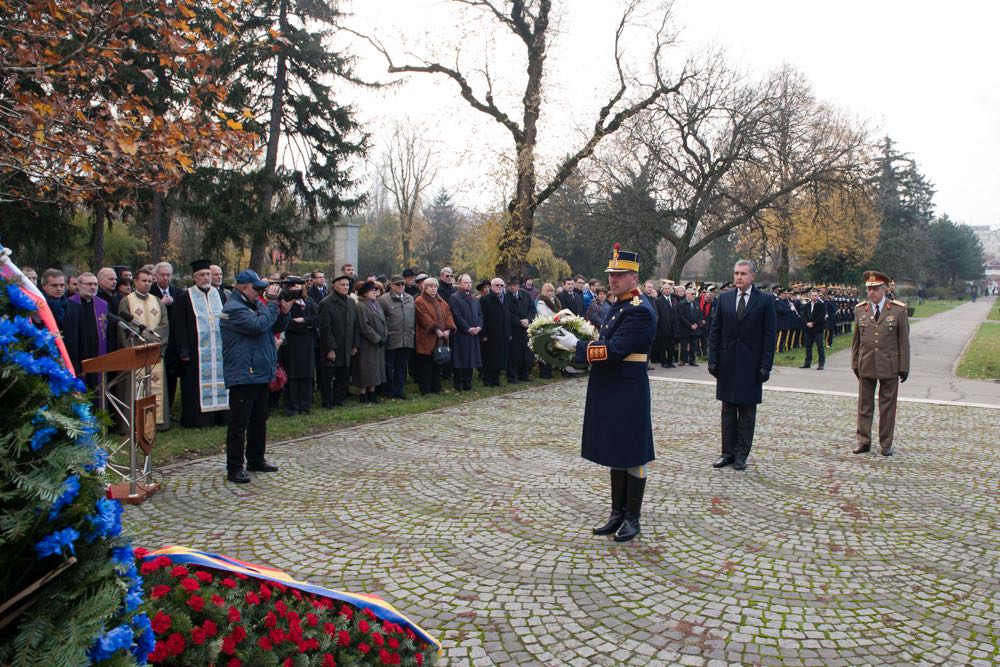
[(465, 349), (368, 369), (299, 354), (435, 326)]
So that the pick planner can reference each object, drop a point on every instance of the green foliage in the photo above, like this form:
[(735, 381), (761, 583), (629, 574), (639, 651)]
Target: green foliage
[(443, 224), (982, 360), (958, 252), (40, 234), (52, 486), (379, 248)]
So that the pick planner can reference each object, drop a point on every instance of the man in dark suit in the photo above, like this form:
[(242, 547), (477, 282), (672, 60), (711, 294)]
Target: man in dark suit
[(496, 333), (570, 298), (619, 386), (740, 354), (688, 320), (522, 312), (319, 290), (814, 319), (665, 326)]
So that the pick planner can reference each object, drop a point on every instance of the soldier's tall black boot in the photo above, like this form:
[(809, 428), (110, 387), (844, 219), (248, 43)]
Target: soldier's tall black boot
[(619, 481), (633, 507)]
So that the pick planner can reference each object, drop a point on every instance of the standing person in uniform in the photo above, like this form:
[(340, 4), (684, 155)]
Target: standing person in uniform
[(880, 354), (617, 430), (740, 354)]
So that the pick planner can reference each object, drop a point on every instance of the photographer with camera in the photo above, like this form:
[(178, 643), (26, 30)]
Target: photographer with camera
[(250, 358)]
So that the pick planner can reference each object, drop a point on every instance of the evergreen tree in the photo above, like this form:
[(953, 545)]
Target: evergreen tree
[(60, 538), (958, 252), (443, 226)]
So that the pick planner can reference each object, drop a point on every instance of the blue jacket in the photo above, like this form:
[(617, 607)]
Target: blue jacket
[(249, 355)]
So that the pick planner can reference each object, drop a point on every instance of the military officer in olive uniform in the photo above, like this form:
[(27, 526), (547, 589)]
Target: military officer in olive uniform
[(617, 430), (880, 354)]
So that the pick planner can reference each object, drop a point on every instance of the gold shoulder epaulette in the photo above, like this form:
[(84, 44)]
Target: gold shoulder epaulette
[(898, 303), (861, 305)]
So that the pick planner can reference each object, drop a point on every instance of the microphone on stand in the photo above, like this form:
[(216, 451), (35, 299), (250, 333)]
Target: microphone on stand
[(143, 329), (123, 325)]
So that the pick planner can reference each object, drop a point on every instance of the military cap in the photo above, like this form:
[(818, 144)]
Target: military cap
[(876, 279), (622, 260)]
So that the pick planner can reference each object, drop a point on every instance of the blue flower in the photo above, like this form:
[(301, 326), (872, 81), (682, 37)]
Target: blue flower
[(133, 598), (56, 542), (99, 461), (42, 437), (70, 490), (19, 299), (8, 332), (83, 412), (110, 643), (145, 640), (108, 520), (123, 555)]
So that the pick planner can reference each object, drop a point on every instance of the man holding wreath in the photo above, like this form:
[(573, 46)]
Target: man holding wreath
[(617, 430)]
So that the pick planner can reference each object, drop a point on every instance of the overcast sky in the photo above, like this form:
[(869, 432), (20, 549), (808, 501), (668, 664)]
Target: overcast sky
[(927, 73)]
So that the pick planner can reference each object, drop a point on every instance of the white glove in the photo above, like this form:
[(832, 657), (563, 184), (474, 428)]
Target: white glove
[(566, 340)]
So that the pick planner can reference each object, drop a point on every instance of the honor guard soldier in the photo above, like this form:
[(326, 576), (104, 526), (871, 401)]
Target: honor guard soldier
[(880, 354), (617, 431)]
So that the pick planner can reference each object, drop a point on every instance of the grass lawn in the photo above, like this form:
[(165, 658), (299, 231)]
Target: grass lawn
[(929, 308), (179, 444), (797, 356), (982, 359), (994, 313)]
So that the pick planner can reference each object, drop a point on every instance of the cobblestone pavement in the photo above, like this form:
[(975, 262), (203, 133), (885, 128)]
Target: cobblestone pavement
[(475, 520)]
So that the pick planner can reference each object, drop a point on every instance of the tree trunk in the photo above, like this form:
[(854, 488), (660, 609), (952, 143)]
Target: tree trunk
[(100, 219), (783, 264), (156, 228), (515, 239), (258, 244)]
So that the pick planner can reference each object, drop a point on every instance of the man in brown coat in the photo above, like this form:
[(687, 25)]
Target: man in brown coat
[(880, 353)]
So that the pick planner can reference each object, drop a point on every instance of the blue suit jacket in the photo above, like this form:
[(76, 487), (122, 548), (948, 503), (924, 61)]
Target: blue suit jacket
[(742, 349)]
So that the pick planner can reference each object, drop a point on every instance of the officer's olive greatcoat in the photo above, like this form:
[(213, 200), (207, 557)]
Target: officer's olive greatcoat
[(617, 429), (881, 349)]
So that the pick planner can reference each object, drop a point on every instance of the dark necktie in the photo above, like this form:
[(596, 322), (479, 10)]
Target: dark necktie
[(878, 311), (741, 306)]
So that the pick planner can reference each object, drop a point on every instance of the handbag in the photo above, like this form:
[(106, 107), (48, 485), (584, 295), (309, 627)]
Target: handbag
[(441, 355), (279, 381)]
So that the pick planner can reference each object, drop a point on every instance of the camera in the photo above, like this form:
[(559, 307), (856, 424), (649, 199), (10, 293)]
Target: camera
[(291, 288)]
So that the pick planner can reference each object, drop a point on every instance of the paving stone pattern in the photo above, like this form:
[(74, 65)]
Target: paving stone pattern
[(475, 521)]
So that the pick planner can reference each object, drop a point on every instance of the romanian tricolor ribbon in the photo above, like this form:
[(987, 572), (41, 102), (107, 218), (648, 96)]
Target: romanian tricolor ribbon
[(379, 607)]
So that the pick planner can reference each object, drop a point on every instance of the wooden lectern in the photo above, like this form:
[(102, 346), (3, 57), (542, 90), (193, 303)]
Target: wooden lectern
[(134, 367)]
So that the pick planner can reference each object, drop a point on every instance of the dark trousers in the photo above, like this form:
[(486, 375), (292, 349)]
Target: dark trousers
[(669, 353), (817, 338), (462, 377), (248, 410), (687, 349), (737, 429), (428, 374), (396, 362), (491, 378), (298, 395), (333, 384)]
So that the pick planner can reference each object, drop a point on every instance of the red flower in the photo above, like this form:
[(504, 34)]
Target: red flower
[(190, 584), (270, 620), (198, 635), (234, 615), (204, 576), (159, 591), (384, 657), (343, 638), (179, 571), (377, 639), (347, 612), (288, 663), (175, 644), (296, 594), (217, 600), (419, 657), (160, 623), (277, 634), (281, 607), (234, 662), (393, 643), (280, 587), (228, 583), (328, 660), (252, 599), (196, 602), (265, 592), (140, 552), (369, 613), (148, 568), (265, 643), (241, 576), (363, 626), (211, 629), (312, 620), (330, 629), (159, 653), (239, 633), (229, 646), (364, 648), (409, 633)]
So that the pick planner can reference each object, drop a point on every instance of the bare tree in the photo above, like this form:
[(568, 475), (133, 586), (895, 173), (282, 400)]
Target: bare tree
[(407, 171), (530, 22), (723, 151)]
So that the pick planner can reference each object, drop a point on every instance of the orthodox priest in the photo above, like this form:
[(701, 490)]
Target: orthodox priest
[(197, 339), (146, 309), (617, 429)]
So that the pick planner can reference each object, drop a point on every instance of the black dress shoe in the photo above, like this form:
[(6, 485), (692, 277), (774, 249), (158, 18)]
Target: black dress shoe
[(861, 449), (692, 364), (820, 367), (262, 466), (238, 477), (740, 463), (887, 452), (723, 461), (804, 366)]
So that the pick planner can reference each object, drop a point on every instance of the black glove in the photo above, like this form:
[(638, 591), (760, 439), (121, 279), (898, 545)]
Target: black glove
[(763, 376), (903, 375), (713, 371), (857, 374)]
